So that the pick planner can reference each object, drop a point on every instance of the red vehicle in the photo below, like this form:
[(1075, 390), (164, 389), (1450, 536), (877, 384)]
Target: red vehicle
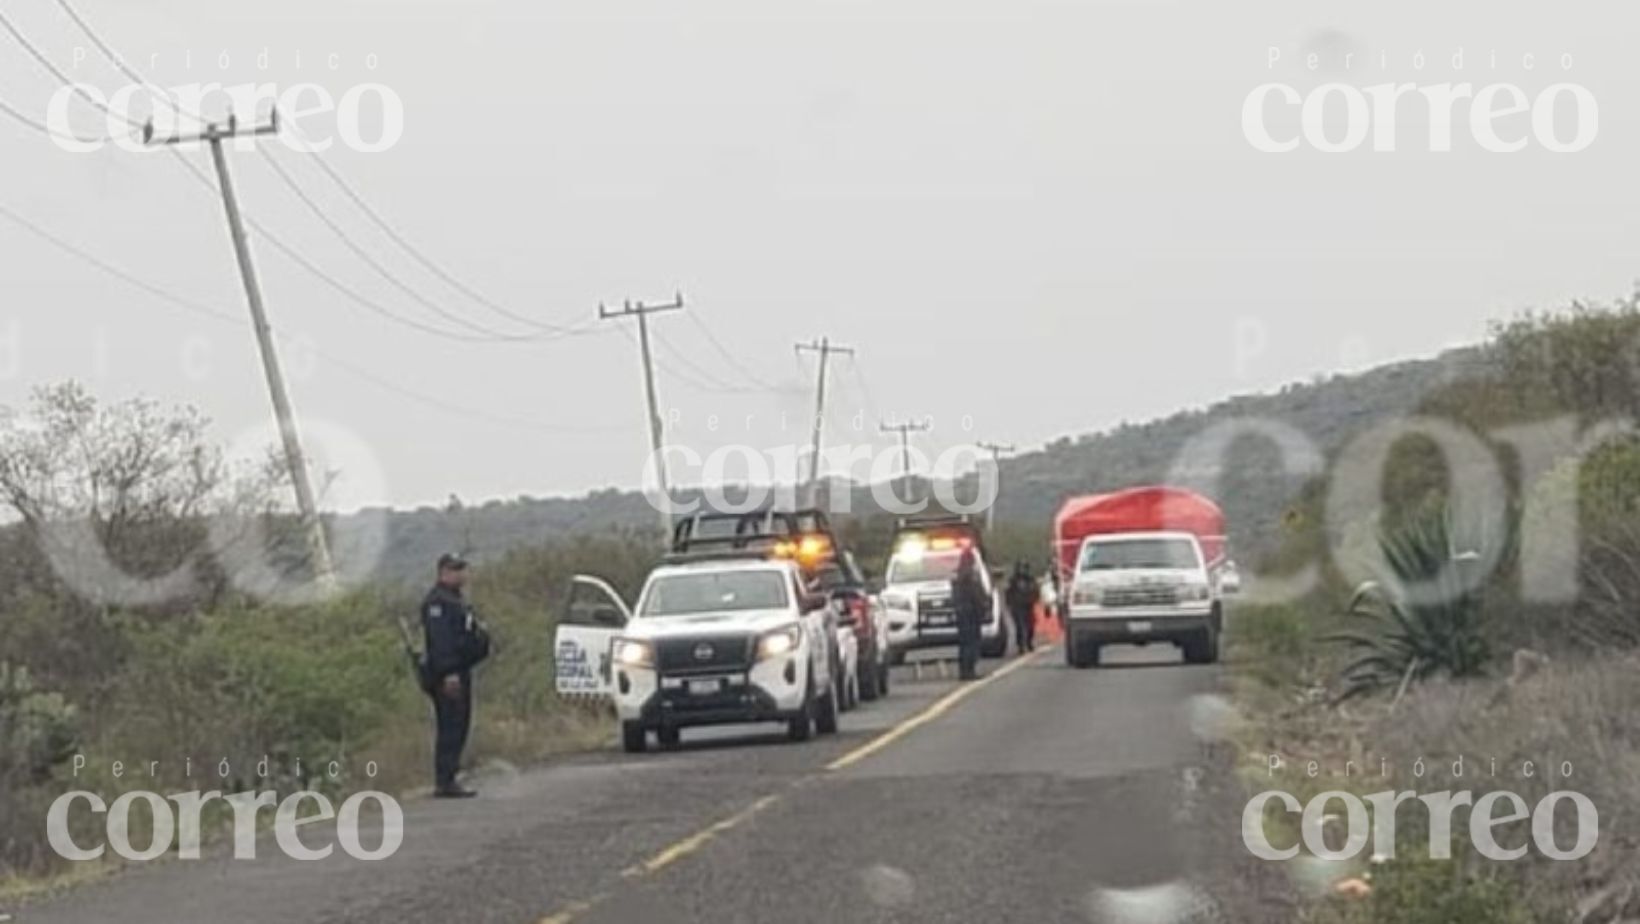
[(1141, 565)]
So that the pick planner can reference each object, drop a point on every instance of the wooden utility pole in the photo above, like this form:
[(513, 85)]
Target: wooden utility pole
[(997, 451), (657, 428), (324, 569), (905, 430), (825, 349)]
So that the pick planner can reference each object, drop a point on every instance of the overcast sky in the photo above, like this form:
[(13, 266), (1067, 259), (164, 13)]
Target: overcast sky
[(1040, 216)]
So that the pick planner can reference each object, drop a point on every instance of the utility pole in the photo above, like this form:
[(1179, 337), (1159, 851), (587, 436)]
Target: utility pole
[(825, 349), (905, 430), (324, 569), (657, 430), (997, 451)]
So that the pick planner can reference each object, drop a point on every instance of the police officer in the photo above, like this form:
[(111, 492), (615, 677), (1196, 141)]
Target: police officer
[(456, 643), (969, 600), (1022, 596)]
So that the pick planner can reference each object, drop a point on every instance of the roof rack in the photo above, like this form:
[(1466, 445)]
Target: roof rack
[(758, 528), (929, 520)]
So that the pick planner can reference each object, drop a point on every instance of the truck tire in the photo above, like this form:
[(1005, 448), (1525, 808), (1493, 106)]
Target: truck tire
[(668, 736), (634, 740), (801, 726), (998, 647), (825, 714), (870, 682), (1203, 649), (1080, 654)]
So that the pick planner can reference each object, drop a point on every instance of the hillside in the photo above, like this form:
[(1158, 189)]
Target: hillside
[(1253, 489)]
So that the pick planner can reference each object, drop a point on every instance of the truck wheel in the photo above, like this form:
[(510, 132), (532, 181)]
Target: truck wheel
[(868, 682), (669, 736), (882, 679), (825, 715), (633, 737), (1203, 649), (801, 726), (997, 648)]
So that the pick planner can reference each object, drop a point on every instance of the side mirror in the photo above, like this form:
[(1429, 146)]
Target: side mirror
[(609, 616)]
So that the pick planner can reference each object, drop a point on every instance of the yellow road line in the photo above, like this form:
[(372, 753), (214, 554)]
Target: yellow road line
[(699, 839), (938, 708), (696, 841)]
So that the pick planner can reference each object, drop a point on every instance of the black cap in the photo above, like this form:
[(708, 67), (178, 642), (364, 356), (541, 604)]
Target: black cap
[(449, 562)]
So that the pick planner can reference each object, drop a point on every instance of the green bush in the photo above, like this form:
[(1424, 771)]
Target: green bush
[(1424, 891)]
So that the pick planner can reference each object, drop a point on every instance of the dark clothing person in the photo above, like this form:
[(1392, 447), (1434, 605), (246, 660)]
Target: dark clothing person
[(1022, 596), (969, 599), (456, 643)]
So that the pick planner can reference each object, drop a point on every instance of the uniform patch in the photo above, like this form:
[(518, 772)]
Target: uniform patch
[(435, 611)]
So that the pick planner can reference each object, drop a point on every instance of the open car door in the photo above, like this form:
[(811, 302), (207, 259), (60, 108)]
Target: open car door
[(592, 616)]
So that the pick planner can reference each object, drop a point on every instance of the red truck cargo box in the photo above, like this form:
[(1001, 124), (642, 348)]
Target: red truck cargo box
[(1134, 510)]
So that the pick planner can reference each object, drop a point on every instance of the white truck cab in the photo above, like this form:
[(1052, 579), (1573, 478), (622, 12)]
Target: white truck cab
[(1143, 587), (720, 640)]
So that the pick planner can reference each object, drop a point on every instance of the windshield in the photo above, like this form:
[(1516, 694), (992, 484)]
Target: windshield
[(930, 566), (715, 592), (1139, 553)]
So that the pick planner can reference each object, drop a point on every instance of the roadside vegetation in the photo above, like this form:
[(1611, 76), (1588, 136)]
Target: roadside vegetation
[(1364, 671)]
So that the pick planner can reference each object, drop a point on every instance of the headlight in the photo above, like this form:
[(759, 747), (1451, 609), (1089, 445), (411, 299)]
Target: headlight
[(1197, 592), (1087, 596), (898, 603), (779, 642), (633, 653)]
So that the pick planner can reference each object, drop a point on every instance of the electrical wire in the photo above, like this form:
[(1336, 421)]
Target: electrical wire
[(67, 81), (113, 57), (433, 267), (382, 271), (192, 306), (699, 372), (728, 356)]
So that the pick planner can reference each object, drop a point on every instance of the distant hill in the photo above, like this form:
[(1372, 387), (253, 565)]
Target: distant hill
[(1252, 486)]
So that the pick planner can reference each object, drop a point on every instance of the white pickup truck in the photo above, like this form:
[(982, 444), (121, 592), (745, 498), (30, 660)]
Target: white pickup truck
[(720, 640), (1143, 587)]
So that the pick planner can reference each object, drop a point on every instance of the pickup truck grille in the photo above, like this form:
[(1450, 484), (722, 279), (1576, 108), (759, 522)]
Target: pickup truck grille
[(1141, 596), (704, 654), (936, 610)]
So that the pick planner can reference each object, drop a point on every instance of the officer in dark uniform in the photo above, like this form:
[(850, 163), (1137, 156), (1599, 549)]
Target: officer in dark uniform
[(969, 600), (456, 643), (1022, 596)]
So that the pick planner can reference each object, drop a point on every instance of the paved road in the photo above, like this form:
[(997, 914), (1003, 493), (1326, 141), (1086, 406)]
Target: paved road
[(1041, 794)]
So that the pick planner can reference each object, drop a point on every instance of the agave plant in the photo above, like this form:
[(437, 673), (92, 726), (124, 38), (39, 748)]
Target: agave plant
[(1423, 619)]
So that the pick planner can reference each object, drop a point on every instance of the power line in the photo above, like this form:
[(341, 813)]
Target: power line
[(728, 356), (352, 194), (340, 287), (700, 373), (67, 81), (374, 264), (191, 306), (31, 122), (433, 267)]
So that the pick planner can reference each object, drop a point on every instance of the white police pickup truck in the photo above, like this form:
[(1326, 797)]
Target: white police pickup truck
[(917, 587), (714, 639)]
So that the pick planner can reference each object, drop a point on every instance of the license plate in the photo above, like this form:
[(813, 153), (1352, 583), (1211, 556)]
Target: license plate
[(1139, 626), (939, 621), (704, 687)]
